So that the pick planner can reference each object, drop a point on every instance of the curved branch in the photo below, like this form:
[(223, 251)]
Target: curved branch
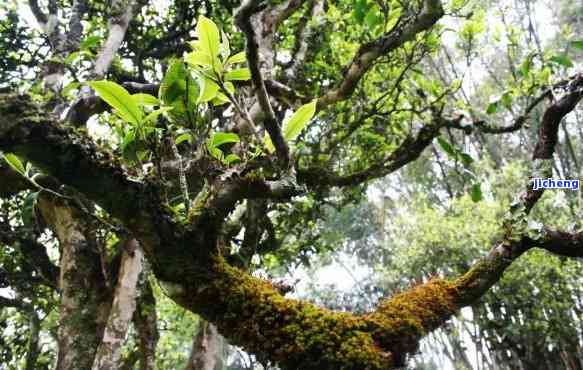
[(121, 13), (243, 19), (367, 54), (409, 150), (74, 160)]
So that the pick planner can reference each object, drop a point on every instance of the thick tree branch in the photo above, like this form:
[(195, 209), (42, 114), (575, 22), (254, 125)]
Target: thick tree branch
[(251, 313), (32, 134)]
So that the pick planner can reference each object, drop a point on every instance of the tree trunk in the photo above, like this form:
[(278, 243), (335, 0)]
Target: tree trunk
[(122, 310), (207, 349), (145, 322), (85, 298)]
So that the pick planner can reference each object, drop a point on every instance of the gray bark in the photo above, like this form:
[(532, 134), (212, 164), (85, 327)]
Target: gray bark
[(122, 310)]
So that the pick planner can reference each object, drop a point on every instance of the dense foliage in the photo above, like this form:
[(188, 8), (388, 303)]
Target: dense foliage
[(169, 168)]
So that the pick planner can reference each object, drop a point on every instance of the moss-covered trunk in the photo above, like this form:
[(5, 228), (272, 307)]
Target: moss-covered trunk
[(85, 298)]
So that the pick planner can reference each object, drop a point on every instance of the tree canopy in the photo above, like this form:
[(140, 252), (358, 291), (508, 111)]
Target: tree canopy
[(163, 153)]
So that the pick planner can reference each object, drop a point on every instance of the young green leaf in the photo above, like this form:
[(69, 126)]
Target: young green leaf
[(506, 100), (231, 158), (208, 89), (492, 107), (209, 37), (446, 147), (220, 99), (240, 57), (184, 137), (563, 60), (239, 74), (15, 163), (153, 116), (476, 192), (268, 143), (299, 120), (118, 98), (466, 159), (220, 138), (216, 153), (180, 91), (145, 99), (198, 58), (577, 44)]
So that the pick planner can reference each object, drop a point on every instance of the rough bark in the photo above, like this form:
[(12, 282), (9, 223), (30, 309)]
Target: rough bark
[(122, 308), (246, 309), (85, 299), (145, 321), (207, 349)]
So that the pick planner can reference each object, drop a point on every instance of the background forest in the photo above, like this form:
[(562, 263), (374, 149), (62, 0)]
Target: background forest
[(488, 64)]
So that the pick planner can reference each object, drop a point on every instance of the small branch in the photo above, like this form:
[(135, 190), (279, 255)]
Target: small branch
[(243, 19), (121, 13), (517, 236), (409, 150), (367, 54), (303, 37)]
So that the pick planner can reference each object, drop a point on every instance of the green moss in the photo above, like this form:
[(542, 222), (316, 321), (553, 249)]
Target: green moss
[(299, 335)]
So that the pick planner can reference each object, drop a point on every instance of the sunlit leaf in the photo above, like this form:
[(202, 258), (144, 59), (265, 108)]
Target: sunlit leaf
[(208, 89), (15, 163), (220, 138), (239, 74), (118, 98), (268, 143), (240, 57), (209, 37), (198, 58), (145, 99), (220, 99), (298, 121), (184, 137)]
